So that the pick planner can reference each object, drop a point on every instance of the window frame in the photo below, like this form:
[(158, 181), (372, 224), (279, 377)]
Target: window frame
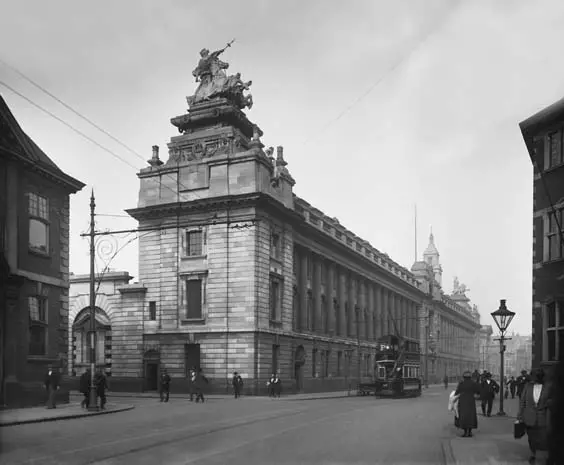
[(186, 242), (38, 323), (276, 246), (548, 150), (186, 278), (557, 329), (152, 310), (550, 233), (34, 215), (276, 315)]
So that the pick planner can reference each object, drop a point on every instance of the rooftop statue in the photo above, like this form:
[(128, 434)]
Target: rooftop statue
[(215, 83), (459, 289)]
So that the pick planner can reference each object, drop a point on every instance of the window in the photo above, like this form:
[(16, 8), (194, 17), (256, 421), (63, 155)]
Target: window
[(314, 363), (195, 242), (275, 358), (275, 299), (309, 266), (194, 299), (339, 363), (324, 318), (38, 210), (309, 310), (555, 246), (152, 311), (327, 358), (555, 153), (555, 331), (37, 307), (275, 246)]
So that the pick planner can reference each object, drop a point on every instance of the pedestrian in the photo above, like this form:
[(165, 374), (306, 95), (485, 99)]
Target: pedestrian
[(165, 386), (270, 385), (533, 411), (445, 381), (200, 380), (192, 384), (466, 392), (85, 380), (521, 382), (52, 381), (512, 386), (101, 386), (489, 389), (277, 386), (237, 382), (556, 418)]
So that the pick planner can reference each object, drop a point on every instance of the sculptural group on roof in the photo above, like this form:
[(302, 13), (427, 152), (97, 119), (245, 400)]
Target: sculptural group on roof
[(215, 83)]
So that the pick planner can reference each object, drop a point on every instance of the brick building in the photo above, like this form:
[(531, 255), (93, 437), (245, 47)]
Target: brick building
[(543, 136), (34, 264)]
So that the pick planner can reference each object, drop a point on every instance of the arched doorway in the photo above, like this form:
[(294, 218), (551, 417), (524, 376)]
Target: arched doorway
[(151, 368), (299, 362), (81, 341)]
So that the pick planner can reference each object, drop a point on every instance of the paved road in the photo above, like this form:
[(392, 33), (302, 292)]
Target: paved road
[(249, 430)]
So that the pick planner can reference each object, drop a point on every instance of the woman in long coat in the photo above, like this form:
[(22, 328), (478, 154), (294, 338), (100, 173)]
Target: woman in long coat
[(467, 416), (533, 408)]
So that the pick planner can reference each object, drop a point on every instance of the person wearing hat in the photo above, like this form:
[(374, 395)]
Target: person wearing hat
[(521, 382), (489, 389), (467, 416)]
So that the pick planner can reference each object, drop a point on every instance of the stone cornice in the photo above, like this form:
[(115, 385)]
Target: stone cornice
[(132, 288), (111, 276)]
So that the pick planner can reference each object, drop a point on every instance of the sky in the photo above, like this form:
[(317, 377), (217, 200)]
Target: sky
[(380, 106)]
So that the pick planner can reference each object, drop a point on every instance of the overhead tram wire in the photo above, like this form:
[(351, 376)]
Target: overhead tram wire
[(402, 59)]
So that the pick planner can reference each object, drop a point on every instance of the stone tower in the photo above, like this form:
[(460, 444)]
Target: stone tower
[(431, 257)]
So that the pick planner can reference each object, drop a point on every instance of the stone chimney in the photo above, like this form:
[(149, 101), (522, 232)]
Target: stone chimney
[(155, 160)]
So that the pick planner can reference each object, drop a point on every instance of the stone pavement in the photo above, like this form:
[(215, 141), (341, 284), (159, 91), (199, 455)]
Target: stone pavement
[(493, 442), (21, 416)]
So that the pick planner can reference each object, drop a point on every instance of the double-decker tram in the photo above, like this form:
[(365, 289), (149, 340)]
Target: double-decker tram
[(396, 369)]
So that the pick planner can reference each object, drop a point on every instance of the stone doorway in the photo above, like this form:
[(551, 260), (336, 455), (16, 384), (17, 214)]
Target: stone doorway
[(299, 362), (151, 364)]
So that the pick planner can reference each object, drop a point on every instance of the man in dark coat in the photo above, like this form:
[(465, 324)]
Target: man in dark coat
[(101, 384), (467, 416), (277, 386), (52, 381), (489, 389), (521, 382), (512, 386), (200, 381), (237, 383), (85, 388), (192, 383), (165, 386)]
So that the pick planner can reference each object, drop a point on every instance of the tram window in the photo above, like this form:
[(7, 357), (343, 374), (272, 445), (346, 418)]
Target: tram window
[(381, 372)]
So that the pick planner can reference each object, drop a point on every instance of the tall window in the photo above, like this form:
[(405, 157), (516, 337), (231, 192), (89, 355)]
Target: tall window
[(275, 299), (555, 152), (555, 245), (309, 266), (194, 299), (194, 243), (309, 311), (275, 246), (555, 331), (314, 363), (323, 323), (38, 210), (339, 363), (37, 307), (152, 311), (275, 358)]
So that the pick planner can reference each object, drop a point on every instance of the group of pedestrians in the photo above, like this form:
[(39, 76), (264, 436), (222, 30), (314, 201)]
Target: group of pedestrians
[(541, 408), (100, 383)]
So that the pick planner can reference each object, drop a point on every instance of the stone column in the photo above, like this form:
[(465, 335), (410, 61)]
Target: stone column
[(363, 316), (342, 300), (385, 317), (316, 285), (404, 317), (416, 320), (371, 311), (302, 286), (329, 296), (379, 304)]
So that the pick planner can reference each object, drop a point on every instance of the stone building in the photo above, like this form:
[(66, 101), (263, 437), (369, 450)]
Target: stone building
[(34, 264), (237, 273), (450, 326), (543, 135)]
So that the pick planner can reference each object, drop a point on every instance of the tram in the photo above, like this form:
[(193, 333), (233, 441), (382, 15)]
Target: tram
[(396, 369)]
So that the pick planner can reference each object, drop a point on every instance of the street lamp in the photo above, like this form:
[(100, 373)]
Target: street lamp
[(502, 317)]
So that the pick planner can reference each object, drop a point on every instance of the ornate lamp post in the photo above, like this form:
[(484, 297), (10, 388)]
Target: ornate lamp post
[(502, 317)]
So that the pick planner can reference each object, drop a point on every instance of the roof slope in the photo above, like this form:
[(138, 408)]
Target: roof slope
[(18, 144)]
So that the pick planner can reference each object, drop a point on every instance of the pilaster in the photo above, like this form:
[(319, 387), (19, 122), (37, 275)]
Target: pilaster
[(370, 322), (303, 291), (379, 305), (329, 298), (363, 312), (317, 319), (352, 298), (342, 292)]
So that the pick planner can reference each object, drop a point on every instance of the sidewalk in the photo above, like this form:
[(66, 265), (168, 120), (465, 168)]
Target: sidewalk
[(493, 442), (22, 416)]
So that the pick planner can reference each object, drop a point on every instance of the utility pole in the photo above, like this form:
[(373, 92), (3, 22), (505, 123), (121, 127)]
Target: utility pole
[(92, 398)]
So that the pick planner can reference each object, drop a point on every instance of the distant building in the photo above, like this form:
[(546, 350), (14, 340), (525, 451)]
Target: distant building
[(34, 264), (450, 331), (543, 134)]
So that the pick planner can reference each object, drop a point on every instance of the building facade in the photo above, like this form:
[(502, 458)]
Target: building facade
[(543, 136), (237, 273), (450, 326), (34, 234)]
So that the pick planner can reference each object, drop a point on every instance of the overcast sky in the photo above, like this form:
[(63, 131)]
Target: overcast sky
[(379, 105)]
